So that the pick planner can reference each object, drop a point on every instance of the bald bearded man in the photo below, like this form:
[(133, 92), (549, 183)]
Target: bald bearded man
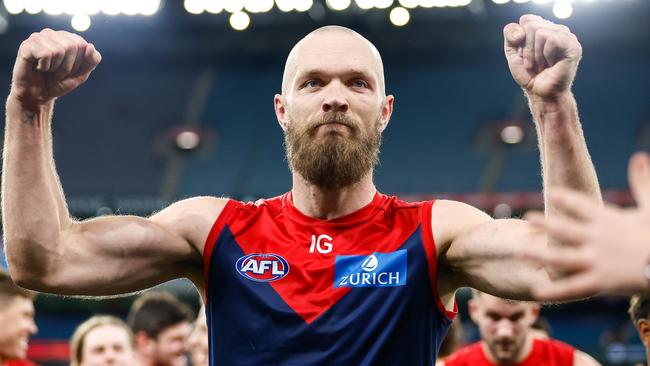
[(330, 273)]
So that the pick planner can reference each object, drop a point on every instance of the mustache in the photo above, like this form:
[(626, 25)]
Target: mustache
[(335, 117)]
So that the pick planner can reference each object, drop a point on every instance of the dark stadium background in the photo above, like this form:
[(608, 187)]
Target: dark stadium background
[(175, 72)]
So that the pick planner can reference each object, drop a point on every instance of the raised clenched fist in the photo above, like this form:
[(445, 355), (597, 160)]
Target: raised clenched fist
[(543, 57), (51, 64)]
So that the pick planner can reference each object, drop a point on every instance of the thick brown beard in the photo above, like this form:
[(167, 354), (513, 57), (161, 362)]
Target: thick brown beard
[(332, 161)]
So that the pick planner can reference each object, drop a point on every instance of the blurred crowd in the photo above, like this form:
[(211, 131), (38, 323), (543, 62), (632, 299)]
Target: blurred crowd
[(160, 330)]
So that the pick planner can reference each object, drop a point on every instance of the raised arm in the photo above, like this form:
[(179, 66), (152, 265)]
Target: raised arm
[(480, 252), (46, 249)]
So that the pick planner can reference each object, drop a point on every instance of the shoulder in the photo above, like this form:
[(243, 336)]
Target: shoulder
[(451, 219)]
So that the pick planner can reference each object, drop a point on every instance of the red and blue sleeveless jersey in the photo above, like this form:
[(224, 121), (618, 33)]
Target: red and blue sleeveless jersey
[(545, 352), (283, 288)]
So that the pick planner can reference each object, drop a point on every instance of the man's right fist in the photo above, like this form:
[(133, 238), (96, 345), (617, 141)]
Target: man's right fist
[(51, 64)]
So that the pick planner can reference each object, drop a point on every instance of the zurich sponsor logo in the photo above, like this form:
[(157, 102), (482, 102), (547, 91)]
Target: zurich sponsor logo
[(375, 270), (262, 267)]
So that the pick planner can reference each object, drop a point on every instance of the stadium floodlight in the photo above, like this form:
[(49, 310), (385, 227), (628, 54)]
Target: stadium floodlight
[(239, 21), (33, 6), (365, 4), (303, 5), (214, 6), (233, 6), (410, 4), (195, 7), (14, 6), (284, 5), (52, 7), (427, 4), (109, 7), (383, 4), (149, 7), (562, 9), (500, 1), (399, 16), (521, 1), (338, 5), (80, 22)]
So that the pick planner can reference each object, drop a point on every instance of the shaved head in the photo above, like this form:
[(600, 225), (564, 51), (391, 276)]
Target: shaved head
[(331, 34)]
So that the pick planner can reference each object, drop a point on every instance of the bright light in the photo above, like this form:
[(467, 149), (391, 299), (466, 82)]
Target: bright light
[(383, 4), (426, 3), (33, 6), (188, 140), (129, 7), (521, 1), (52, 7), (194, 6), (303, 5), (500, 1), (338, 4), (284, 5), (240, 21), (234, 6), (149, 7), (408, 3), (89, 7), (399, 16), (109, 7), (365, 4), (215, 6), (14, 6), (502, 211), (80, 22), (562, 9), (512, 134)]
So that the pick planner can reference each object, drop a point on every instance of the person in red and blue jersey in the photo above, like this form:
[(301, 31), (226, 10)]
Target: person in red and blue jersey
[(333, 272), (507, 338)]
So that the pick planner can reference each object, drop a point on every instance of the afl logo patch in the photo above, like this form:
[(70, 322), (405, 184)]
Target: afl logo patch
[(262, 267)]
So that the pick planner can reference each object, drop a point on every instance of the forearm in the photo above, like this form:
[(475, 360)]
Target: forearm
[(33, 213), (564, 156)]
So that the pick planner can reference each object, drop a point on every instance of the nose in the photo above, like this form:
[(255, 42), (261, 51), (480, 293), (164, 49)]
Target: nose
[(33, 329), (335, 99), (504, 329)]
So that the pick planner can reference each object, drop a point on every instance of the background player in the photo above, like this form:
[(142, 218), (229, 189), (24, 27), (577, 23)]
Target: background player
[(161, 324), (640, 314), (102, 340), (507, 339), (16, 322)]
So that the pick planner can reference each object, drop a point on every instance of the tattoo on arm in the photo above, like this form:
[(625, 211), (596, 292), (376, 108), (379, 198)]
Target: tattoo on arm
[(29, 118)]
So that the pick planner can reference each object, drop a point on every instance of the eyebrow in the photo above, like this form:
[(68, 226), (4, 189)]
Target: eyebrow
[(309, 73)]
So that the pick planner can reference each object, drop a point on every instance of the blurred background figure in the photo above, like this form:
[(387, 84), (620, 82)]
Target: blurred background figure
[(506, 339), (198, 341), (161, 324), (640, 314), (453, 340), (102, 341), (16, 322), (541, 328)]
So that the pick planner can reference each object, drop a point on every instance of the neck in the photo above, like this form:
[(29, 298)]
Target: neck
[(524, 352), (329, 204)]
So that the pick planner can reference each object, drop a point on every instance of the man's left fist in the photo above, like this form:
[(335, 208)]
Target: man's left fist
[(543, 57)]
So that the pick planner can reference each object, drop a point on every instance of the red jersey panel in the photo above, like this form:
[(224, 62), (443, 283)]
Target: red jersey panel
[(545, 352)]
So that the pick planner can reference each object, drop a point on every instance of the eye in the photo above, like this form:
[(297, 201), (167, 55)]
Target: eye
[(359, 83), (311, 83)]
